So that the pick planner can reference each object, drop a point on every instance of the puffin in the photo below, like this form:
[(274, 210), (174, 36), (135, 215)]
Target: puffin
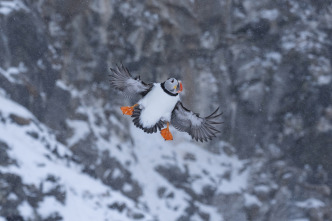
[(158, 105)]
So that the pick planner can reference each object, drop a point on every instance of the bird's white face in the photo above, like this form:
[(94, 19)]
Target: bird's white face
[(174, 86)]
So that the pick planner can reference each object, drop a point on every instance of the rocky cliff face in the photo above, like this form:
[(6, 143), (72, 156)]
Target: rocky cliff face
[(67, 153)]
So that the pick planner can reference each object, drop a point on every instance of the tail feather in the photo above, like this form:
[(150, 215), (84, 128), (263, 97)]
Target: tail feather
[(136, 120)]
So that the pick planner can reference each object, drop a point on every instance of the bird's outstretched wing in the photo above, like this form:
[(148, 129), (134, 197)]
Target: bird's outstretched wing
[(133, 88), (200, 128)]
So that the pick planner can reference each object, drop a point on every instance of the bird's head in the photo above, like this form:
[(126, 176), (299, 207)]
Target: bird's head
[(174, 86)]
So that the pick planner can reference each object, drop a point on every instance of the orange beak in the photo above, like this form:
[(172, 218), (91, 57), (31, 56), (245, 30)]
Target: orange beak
[(181, 88)]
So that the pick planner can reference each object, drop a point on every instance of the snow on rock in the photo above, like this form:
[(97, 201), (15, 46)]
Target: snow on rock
[(170, 158), (9, 107), (251, 200), (81, 130), (324, 80), (207, 40), (270, 14), (62, 85), (300, 219), (25, 209), (310, 203), (304, 41), (12, 196), (84, 197), (14, 74), (7, 6)]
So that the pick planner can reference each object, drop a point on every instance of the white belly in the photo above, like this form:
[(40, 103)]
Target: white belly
[(156, 105)]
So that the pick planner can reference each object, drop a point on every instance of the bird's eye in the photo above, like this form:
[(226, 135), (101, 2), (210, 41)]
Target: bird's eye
[(172, 81)]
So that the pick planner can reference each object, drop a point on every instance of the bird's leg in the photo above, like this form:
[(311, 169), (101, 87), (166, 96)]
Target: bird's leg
[(166, 134), (128, 110)]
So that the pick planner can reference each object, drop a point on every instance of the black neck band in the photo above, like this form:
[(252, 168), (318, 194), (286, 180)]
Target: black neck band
[(166, 91)]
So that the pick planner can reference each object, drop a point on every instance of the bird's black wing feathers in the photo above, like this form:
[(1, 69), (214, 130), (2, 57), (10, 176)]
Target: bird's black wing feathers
[(200, 128), (133, 88)]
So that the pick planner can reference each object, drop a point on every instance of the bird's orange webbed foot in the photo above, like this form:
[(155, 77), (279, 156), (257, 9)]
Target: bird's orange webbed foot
[(166, 134), (128, 110)]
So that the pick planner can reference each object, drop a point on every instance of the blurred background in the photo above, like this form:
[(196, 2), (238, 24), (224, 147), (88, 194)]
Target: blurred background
[(68, 153)]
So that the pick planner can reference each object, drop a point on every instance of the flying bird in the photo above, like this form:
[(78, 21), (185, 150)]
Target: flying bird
[(157, 105)]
